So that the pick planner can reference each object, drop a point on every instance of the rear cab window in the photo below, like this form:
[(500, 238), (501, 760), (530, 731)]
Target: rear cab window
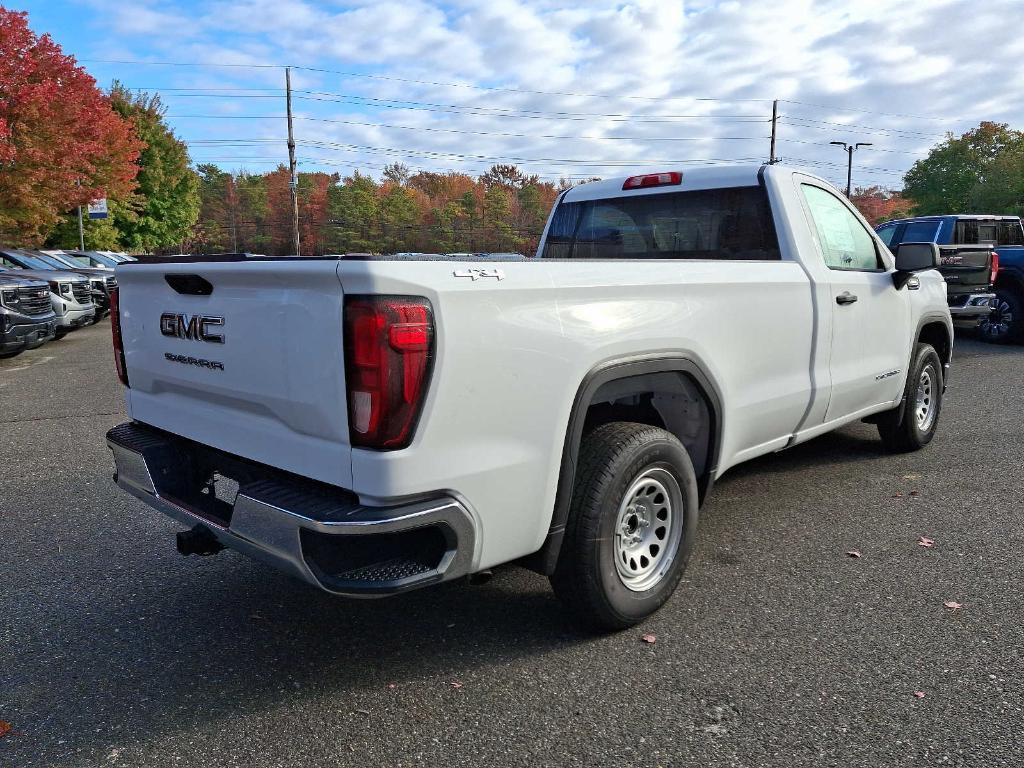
[(730, 224), (997, 232)]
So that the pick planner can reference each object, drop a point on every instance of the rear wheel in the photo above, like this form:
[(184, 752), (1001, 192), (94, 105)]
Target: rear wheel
[(631, 528), (1006, 322), (913, 426)]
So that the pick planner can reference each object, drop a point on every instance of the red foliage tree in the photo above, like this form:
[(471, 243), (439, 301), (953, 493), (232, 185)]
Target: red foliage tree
[(61, 144), (879, 205)]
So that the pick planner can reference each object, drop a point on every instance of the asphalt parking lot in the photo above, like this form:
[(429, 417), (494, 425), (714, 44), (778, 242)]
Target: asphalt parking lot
[(778, 649)]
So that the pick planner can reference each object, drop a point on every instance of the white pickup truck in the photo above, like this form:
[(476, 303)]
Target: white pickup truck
[(374, 424)]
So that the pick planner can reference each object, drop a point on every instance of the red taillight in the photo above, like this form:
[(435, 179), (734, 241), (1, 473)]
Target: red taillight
[(653, 180), (995, 267), (389, 348), (115, 333)]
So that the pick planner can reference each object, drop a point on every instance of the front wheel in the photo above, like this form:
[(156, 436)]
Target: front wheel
[(1006, 322), (631, 527), (913, 426)]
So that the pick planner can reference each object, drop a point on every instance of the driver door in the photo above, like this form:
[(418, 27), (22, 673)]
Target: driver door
[(869, 316)]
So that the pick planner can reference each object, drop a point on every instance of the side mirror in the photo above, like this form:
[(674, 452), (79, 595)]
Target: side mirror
[(914, 257)]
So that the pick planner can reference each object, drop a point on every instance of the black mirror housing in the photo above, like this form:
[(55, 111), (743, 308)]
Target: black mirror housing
[(913, 257)]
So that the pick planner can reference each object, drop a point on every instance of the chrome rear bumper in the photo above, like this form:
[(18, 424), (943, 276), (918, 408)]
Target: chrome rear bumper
[(315, 532), (976, 307)]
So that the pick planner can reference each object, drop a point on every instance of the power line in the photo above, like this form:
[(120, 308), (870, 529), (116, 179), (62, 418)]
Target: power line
[(855, 127), (365, 75), (472, 133), (834, 108)]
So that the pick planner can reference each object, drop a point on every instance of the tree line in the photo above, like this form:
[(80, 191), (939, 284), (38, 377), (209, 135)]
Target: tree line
[(65, 142), (503, 209)]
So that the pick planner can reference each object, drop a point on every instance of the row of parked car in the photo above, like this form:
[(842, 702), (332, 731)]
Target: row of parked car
[(46, 294)]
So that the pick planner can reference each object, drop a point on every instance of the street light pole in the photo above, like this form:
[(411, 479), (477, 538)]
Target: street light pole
[(850, 149)]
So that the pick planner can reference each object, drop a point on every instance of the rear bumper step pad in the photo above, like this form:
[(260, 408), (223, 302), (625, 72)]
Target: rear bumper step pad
[(315, 532)]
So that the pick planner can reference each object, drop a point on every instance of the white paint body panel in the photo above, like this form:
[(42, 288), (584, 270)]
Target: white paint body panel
[(511, 355)]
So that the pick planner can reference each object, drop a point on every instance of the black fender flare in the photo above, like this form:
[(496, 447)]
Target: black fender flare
[(637, 369)]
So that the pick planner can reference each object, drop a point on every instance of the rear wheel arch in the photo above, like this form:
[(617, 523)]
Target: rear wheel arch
[(646, 390)]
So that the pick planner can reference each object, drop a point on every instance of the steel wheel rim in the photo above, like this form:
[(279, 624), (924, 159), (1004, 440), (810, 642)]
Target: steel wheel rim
[(648, 529), (925, 402)]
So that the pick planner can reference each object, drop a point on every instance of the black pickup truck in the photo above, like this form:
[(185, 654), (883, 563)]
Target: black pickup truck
[(969, 270)]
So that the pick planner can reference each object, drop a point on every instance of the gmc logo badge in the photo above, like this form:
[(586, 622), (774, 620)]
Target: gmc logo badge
[(193, 327)]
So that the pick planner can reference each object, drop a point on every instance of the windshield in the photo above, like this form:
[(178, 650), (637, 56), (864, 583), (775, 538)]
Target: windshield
[(52, 260), (102, 258), (28, 262)]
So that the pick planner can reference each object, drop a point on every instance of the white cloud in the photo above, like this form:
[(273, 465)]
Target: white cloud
[(647, 59)]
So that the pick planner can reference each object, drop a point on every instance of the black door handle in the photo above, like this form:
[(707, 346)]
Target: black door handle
[(845, 298)]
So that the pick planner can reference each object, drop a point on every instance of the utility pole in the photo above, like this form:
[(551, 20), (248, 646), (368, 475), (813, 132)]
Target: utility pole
[(850, 149), (772, 160), (293, 181), (81, 231)]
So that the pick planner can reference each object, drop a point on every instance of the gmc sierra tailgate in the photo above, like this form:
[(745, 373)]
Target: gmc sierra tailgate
[(243, 356), (966, 268)]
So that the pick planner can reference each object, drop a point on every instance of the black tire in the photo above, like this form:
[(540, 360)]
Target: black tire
[(8, 355), (1006, 323), (615, 459), (901, 429)]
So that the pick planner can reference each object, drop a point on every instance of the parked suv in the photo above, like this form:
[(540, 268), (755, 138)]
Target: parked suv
[(102, 281), (70, 292), (27, 319)]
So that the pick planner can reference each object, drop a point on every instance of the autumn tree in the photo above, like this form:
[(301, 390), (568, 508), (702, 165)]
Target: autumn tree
[(1001, 191), (355, 213), (61, 144), (502, 210), (878, 204), (943, 182), (165, 205)]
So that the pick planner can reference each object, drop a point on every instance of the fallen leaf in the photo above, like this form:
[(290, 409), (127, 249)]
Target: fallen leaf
[(455, 684), (911, 477), (649, 639), (914, 493), (853, 553), (924, 541), (953, 605), (5, 728), (392, 686), (919, 694), (363, 712), (897, 495)]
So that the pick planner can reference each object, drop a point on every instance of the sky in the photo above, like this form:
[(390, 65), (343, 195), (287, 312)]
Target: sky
[(572, 89)]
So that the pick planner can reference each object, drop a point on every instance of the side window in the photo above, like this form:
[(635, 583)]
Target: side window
[(845, 243), (886, 233), (1010, 233), (920, 232)]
